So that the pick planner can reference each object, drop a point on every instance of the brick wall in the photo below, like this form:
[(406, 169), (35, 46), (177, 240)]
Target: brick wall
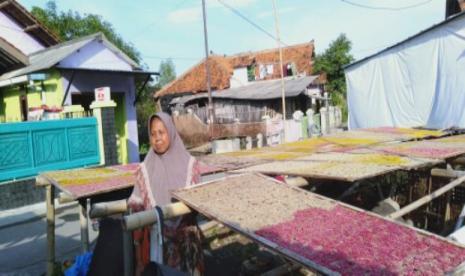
[(20, 193)]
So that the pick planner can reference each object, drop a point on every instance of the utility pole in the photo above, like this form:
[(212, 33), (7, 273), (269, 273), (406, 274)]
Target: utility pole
[(283, 93), (211, 110)]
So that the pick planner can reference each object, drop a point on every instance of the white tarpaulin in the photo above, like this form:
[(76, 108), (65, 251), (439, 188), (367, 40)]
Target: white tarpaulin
[(419, 82)]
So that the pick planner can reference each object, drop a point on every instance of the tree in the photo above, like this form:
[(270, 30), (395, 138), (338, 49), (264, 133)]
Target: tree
[(332, 62), (167, 73), (71, 24), (146, 106)]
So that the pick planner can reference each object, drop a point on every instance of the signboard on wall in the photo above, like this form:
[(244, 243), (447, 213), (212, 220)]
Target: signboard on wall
[(102, 94)]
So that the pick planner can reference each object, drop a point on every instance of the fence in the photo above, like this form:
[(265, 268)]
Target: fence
[(224, 116), (28, 148)]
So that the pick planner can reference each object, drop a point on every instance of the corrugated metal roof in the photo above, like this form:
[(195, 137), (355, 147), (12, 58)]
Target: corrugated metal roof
[(49, 57), (259, 90)]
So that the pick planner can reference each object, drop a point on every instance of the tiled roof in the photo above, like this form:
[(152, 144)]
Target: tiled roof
[(222, 67)]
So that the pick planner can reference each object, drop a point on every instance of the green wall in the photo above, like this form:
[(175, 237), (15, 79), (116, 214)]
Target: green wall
[(121, 126), (10, 105)]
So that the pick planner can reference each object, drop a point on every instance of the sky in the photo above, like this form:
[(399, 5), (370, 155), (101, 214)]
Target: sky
[(162, 29)]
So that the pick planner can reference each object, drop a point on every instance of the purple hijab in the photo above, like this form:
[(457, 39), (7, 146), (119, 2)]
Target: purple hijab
[(170, 170)]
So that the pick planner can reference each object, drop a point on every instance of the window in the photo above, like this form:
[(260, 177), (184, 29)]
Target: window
[(251, 72)]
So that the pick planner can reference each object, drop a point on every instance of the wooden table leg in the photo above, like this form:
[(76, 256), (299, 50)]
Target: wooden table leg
[(83, 218), (50, 202)]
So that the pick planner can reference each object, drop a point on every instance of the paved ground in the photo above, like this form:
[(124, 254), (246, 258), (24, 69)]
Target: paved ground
[(23, 238)]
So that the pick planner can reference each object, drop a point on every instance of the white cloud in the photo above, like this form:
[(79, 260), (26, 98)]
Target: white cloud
[(186, 15)]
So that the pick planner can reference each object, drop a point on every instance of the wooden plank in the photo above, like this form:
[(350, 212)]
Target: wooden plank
[(222, 198), (31, 28), (276, 248), (347, 172), (89, 182)]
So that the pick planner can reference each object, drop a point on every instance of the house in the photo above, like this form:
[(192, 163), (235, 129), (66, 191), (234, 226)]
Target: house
[(416, 82), (245, 85), (37, 71)]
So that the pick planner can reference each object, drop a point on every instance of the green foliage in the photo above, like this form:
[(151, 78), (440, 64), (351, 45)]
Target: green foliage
[(332, 62), (167, 72), (146, 105), (71, 24)]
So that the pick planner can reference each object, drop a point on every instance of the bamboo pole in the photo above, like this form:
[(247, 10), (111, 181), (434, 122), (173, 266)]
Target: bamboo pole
[(458, 161), (65, 198), (50, 202), (446, 173), (428, 198), (283, 92), (141, 219), (104, 209)]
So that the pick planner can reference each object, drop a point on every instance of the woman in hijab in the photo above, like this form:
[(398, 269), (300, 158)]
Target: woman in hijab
[(167, 166)]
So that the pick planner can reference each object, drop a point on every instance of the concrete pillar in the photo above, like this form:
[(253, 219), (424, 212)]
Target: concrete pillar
[(105, 114), (324, 120), (259, 140), (248, 142)]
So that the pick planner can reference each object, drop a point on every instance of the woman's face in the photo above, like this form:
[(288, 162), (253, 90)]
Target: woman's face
[(159, 137)]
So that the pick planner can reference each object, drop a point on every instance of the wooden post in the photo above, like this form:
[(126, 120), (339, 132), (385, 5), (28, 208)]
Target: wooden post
[(84, 225), (50, 202), (447, 211), (430, 188), (128, 255), (428, 198)]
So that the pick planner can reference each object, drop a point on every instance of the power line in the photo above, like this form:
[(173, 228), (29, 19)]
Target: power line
[(144, 28), (386, 8), (238, 13), (174, 58)]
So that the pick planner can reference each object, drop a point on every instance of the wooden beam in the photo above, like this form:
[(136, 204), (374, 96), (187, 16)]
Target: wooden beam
[(50, 203), (141, 219), (428, 198), (4, 4), (84, 222), (31, 28)]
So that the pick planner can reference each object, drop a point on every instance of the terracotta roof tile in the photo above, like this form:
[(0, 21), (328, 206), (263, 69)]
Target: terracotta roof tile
[(222, 67)]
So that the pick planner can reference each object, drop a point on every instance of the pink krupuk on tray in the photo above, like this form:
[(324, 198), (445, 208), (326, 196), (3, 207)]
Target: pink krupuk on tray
[(354, 243)]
